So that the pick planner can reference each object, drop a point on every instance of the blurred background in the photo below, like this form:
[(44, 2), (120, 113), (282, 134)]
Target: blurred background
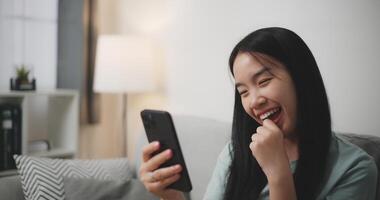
[(191, 42)]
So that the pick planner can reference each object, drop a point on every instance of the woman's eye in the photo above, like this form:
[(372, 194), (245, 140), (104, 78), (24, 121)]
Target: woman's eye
[(242, 92), (264, 82)]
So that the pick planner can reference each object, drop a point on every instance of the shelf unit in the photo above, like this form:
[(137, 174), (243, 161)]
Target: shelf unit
[(51, 115)]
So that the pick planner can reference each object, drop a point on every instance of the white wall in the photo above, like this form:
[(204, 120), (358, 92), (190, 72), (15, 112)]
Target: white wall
[(198, 36), (28, 35)]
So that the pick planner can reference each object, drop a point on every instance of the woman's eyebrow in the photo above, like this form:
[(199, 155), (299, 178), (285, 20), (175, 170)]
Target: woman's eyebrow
[(254, 76), (259, 73)]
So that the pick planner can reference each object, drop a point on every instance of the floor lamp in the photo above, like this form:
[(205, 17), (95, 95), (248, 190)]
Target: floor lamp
[(124, 64)]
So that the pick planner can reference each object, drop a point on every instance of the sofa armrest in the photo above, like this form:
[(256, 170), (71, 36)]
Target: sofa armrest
[(10, 188)]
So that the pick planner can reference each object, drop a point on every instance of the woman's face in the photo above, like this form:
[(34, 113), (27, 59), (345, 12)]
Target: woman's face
[(266, 90)]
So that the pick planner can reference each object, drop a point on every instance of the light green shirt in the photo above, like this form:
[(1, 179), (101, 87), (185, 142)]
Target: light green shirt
[(352, 174)]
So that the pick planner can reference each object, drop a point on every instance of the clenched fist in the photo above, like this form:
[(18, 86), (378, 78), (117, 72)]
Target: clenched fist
[(268, 148)]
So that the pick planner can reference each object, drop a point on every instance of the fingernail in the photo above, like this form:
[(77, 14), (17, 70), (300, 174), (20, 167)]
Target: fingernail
[(156, 143), (168, 152)]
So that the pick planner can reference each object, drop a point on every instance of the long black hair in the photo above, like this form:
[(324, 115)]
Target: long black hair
[(313, 126)]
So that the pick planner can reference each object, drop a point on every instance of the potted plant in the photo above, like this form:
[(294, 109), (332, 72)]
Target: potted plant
[(22, 81), (22, 74)]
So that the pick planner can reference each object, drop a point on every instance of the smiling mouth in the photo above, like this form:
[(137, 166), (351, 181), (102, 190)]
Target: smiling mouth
[(272, 114)]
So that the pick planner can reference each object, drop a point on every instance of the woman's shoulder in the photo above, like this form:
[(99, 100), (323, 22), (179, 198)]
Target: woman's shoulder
[(349, 152), (350, 171), (226, 153), (348, 159)]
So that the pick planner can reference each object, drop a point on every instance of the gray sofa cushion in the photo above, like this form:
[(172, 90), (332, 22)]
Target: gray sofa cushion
[(79, 189), (10, 188)]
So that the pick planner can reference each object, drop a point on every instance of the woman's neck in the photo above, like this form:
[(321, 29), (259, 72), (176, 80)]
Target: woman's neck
[(291, 148)]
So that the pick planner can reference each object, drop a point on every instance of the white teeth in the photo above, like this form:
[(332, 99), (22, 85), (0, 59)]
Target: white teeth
[(269, 113)]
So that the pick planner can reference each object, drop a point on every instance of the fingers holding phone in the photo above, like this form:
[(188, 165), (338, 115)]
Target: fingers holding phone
[(155, 179), (149, 149), (159, 126)]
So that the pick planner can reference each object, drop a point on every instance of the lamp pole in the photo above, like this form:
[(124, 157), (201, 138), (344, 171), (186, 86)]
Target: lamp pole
[(124, 124)]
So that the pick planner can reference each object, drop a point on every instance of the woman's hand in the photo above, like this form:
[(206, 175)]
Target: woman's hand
[(269, 150), (157, 180), (267, 147)]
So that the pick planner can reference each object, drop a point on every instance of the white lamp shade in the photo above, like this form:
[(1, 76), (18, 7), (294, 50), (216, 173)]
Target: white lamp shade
[(124, 64)]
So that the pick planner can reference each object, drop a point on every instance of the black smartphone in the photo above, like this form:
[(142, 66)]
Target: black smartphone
[(159, 126)]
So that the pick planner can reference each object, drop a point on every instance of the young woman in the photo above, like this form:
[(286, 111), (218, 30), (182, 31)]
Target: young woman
[(282, 145)]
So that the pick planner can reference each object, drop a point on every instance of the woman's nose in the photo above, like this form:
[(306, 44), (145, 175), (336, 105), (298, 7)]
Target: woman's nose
[(257, 101)]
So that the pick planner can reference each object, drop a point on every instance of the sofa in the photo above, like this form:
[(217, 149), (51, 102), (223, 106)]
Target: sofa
[(201, 140)]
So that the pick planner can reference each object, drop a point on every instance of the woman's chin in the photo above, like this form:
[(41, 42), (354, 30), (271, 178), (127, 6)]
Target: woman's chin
[(288, 133)]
